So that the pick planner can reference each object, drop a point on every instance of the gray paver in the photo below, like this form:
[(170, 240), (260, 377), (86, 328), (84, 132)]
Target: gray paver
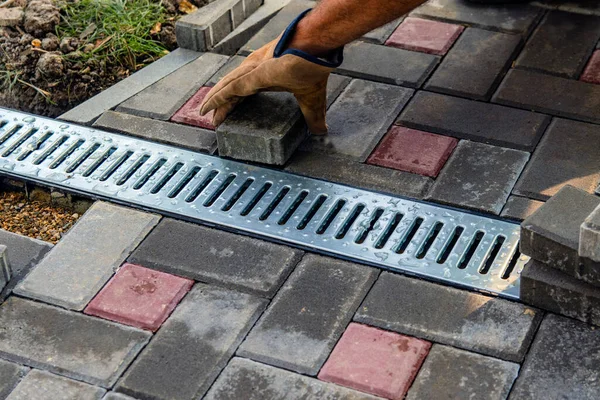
[(214, 256), (162, 99), (518, 208), (5, 269), (116, 396), (589, 236), (479, 176), (561, 45), (10, 375), (359, 118), (471, 321), (229, 66), (550, 94), (563, 363), (67, 343), (335, 86), (569, 153), (516, 18), (23, 252), (386, 64), (86, 257), (344, 171), (42, 385), (91, 109), (381, 34), (309, 314), (249, 380), (474, 120), (475, 64), (188, 137), (195, 342), (449, 373)]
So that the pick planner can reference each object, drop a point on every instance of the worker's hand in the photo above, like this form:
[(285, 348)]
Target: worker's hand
[(274, 67)]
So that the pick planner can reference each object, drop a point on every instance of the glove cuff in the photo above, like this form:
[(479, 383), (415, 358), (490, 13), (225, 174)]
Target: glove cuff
[(334, 60)]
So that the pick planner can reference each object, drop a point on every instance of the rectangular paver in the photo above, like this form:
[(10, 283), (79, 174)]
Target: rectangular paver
[(5, 269), (67, 343), (23, 252), (44, 385), (215, 256), (381, 34), (189, 113), (86, 257), (195, 343), (425, 35), (474, 120), (309, 314), (518, 208), (229, 66), (10, 375), (591, 73), (454, 317), (589, 236)]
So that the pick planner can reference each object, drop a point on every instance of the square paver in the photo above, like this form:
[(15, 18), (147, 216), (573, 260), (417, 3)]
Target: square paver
[(413, 151), (190, 112), (591, 73), (425, 35), (10, 375), (375, 361), (139, 297), (42, 385), (518, 208)]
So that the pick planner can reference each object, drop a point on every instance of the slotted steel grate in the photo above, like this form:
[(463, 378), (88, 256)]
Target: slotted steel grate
[(435, 242)]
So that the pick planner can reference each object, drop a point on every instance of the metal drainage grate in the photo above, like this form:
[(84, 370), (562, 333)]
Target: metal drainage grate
[(443, 244)]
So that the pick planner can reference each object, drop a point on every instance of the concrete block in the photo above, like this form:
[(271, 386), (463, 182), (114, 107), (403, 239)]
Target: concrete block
[(44, 385), (425, 35), (10, 375)]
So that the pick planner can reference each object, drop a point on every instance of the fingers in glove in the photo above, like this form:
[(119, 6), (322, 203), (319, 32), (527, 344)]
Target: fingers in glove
[(313, 106), (208, 105), (222, 112)]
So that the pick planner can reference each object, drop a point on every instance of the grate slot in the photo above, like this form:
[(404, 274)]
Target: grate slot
[(293, 207), (201, 186), (331, 216), (238, 194), (360, 239), (132, 169), (181, 184), (217, 193), (256, 199), (20, 140), (274, 203), (36, 144), (115, 165), (511, 265), (10, 132), (452, 241), (51, 149), (431, 236), (349, 221), (473, 245), (408, 237), (491, 257), (316, 205), (149, 174), (166, 177), (83, 157), (389, 230), (95, 163), (66, 154)]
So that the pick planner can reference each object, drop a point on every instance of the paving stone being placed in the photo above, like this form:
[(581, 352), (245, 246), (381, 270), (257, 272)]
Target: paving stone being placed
[(139, 297), (425, 35), (67, 343), (162, 99), (568, 154), (196, 342), (470, 321), (88, 111), (518, 208), (359, 118), (512, 18), (188, 137), (474, 120), (549, 51), (476, 64), (86, 257), (10, 375), (386, 64), (375, 361), (479, 177), (589, 237), (23, 252), (42, 385), (563, 362), (309, 314), (449, 373), (189, 114), (591, 73), (344, 171), (413, 151), (215, 256), (550, 94), (381, 34)]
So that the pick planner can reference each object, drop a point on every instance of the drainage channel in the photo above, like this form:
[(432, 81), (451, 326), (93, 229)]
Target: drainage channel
[(438, 243)]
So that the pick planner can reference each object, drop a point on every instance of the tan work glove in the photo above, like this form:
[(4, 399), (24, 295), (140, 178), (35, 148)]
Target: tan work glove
[(274, 67)]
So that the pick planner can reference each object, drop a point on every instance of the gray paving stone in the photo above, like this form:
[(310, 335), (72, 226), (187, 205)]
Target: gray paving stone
[(229, 66), (561, 45), (5, 269), (386, 64), (381, 34), (184, 136), (475, 64), (309, 314), (86, 257), (512, 18), (478, 176), (335, 86), (470, 321), (551, 234), (215, 256), (344, 171), (10, 375), (518, 208), (116, 396), (42, 385), (162, 99), (23, 252), (195, 343), (569, 153), (474, 120), (67, 343), (359, 118), (91, 109), (563, 362), (589, 236), (550, 94), (450, 373), (249, 380), (588, 7)]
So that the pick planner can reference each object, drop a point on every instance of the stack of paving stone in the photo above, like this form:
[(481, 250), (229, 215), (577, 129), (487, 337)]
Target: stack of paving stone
[(563, 239)]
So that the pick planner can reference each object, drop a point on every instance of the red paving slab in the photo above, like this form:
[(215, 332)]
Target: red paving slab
[(591, 73), (139, 297), (424, 35), (375, 361), (413, 151), (188, 114)]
